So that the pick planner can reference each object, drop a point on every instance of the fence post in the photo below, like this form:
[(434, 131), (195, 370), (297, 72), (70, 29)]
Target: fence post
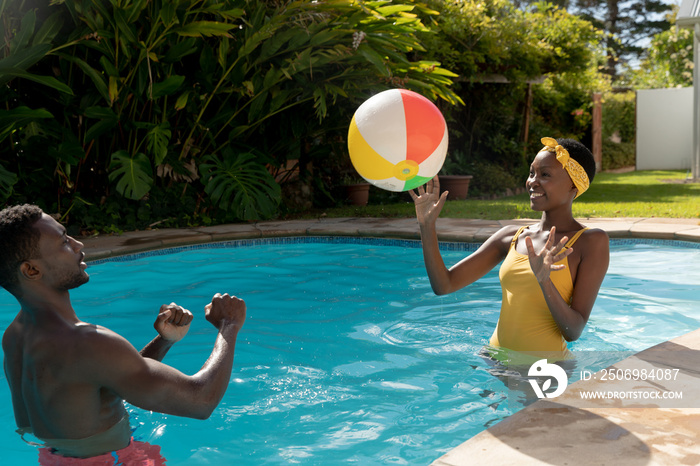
[(597, 132), (695, 164)]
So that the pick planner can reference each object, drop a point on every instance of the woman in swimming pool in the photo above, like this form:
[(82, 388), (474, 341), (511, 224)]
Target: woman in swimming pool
[(549, 287)]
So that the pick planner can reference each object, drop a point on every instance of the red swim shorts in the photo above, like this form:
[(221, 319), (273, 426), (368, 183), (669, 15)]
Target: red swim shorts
[(136, 454)]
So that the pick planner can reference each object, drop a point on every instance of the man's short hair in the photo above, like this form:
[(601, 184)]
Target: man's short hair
[(581, 154), (19, 241)]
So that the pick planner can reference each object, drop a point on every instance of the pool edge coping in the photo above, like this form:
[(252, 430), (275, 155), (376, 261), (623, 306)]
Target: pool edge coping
[(449, 230)]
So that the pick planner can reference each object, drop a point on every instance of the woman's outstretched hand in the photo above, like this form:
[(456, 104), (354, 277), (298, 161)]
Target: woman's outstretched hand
[(428, 201), (543, 263)]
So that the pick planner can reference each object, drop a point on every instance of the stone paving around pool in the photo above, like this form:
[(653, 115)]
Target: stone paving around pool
[(546, 432)]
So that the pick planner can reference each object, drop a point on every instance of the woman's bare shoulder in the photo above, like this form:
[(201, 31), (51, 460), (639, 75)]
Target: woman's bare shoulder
[(507, 232), (594, 240), (502, 238), (595, 234)]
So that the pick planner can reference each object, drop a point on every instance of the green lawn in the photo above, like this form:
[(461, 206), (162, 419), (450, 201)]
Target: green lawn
[(633, 194)]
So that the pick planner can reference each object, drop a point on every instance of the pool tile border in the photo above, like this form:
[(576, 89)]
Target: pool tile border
[(372, 241), (450, 230)]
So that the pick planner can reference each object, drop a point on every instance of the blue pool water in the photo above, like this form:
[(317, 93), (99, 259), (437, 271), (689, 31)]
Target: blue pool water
[(346, 354)]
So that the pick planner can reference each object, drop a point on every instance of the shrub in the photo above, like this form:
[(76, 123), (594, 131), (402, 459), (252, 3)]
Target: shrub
[(619, 116), (109, 103), (489, 179), (618, 155)]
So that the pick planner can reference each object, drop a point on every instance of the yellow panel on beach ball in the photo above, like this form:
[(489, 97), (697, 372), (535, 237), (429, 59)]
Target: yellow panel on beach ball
[(368, 163)]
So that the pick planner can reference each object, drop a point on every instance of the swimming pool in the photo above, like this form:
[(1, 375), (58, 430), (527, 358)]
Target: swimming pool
[(346, 355)]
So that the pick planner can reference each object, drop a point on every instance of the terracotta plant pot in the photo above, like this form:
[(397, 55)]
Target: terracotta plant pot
[(357, 194), (457, 185)]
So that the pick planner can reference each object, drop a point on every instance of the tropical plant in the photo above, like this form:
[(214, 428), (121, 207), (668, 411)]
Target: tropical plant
[(153, 94), (233, 181)]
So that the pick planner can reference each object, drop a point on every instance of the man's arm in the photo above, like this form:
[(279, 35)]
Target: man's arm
[(172, 324), (152, 385)]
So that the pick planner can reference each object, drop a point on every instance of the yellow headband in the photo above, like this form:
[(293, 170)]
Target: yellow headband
[(573, 168)]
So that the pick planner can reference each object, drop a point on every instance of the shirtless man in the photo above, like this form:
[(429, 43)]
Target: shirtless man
[(58, 366)]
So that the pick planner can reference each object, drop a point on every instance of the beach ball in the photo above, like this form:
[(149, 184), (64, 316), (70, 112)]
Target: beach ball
[(397, 140)]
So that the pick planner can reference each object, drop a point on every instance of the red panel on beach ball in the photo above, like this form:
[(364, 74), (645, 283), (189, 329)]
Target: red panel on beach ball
[(425, 126)]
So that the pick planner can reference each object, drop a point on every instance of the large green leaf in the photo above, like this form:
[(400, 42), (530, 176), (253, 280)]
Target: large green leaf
[(69, 151), (158, 139), (167, 87), (167, 13), (22, 37), (19, 117), (108, 120), (95, 76), (22, 60), (204, 28), (123, 26), (135, 9), (392, 9), (239, 183), (374, 58), (45, 80), (7, 181), (179, 50), (271, 46), (133, 175), (49, 29)]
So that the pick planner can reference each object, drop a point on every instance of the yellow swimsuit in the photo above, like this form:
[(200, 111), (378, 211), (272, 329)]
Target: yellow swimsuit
[(525, 323)]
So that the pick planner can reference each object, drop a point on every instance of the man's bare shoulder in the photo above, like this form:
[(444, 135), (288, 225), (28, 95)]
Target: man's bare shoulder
[(100, 349), (80, 351), (98, 339)]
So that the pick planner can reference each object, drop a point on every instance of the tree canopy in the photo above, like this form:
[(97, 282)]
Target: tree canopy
[(667, 62), (628, 26)]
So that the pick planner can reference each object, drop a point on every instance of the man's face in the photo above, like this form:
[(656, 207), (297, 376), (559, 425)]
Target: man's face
[(60, 256)]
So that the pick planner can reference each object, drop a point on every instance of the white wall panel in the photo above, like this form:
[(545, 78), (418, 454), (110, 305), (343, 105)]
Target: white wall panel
[(664, 129)]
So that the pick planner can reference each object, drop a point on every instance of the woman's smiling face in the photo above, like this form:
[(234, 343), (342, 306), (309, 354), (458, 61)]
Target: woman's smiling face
[(548, 184)]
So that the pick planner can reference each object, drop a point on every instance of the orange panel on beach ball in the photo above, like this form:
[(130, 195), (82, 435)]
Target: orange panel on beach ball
[(425, 126)]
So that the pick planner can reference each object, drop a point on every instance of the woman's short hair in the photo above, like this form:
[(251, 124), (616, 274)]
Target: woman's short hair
[(581, 154)]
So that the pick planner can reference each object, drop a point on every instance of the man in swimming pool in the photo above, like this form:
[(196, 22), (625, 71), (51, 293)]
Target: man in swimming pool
[(69, 378)]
